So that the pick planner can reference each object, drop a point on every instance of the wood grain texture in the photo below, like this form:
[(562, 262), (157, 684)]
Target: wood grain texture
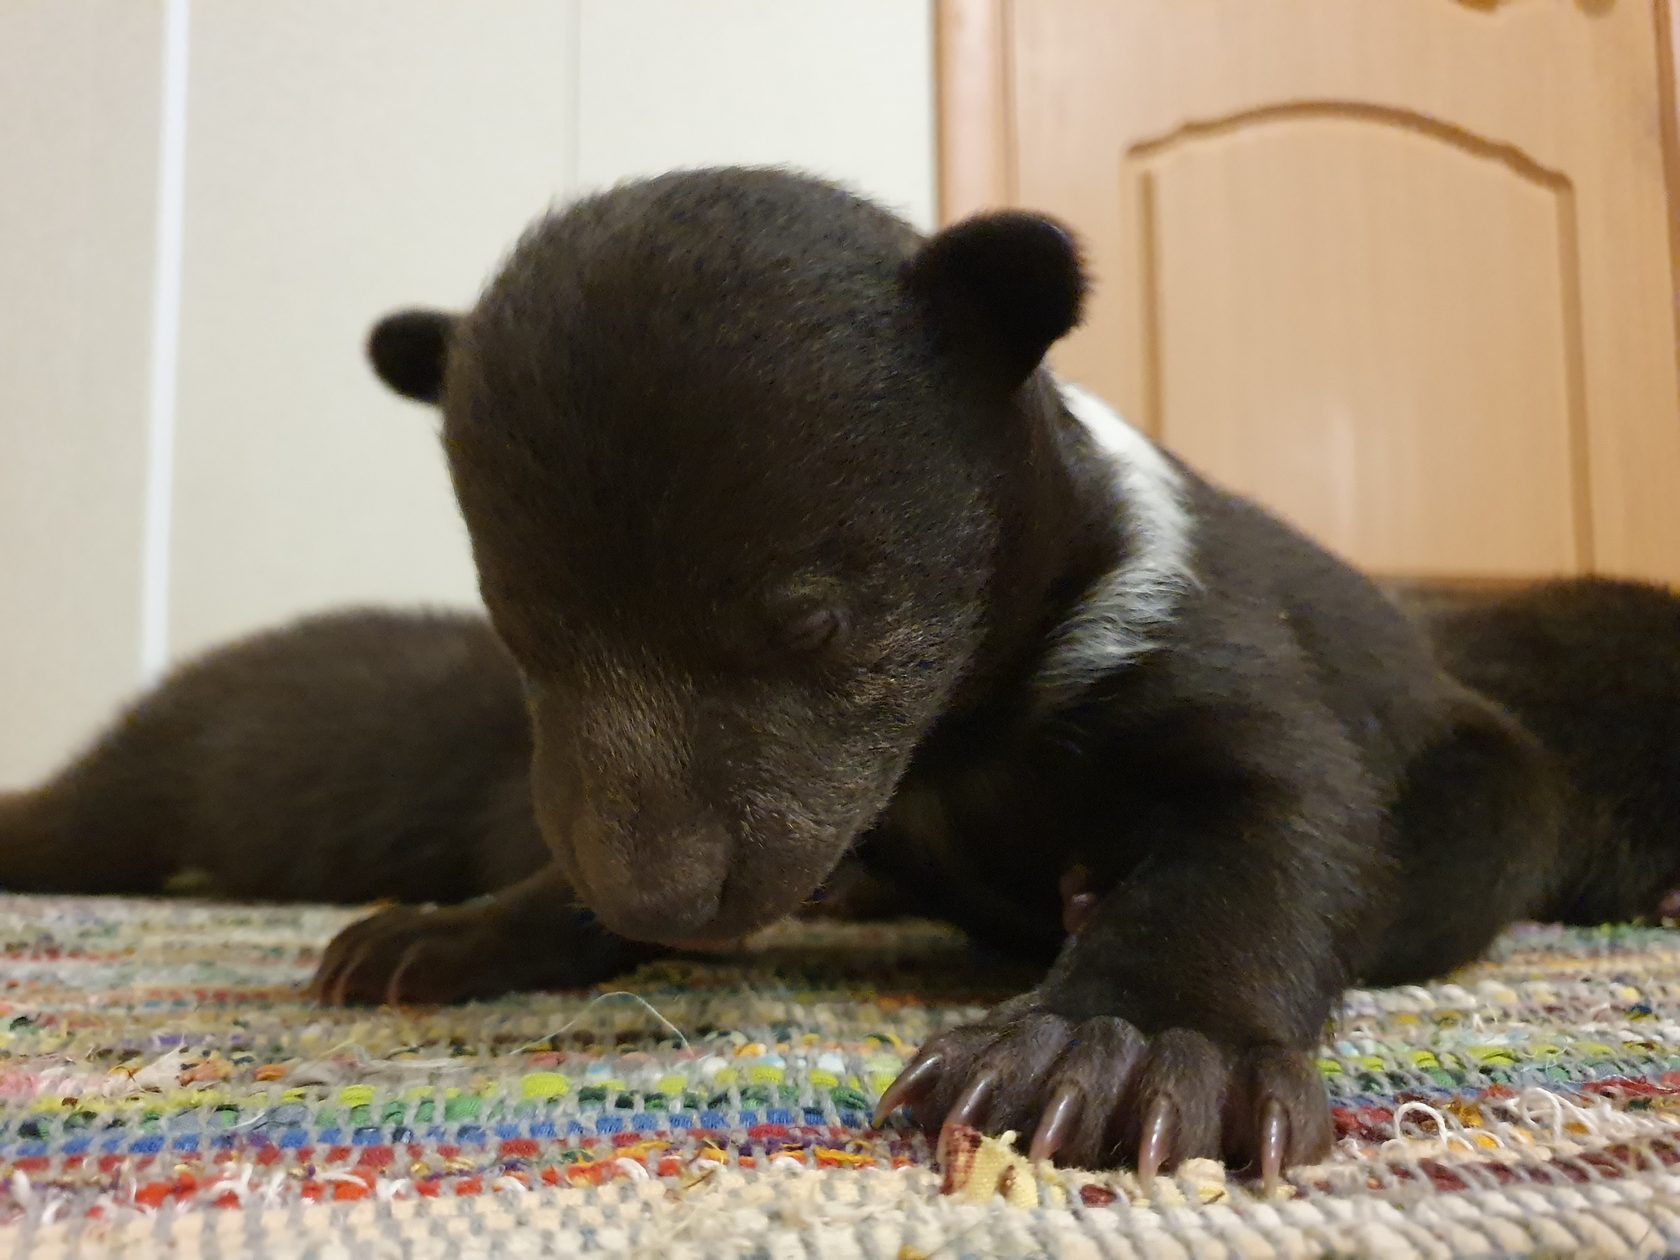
[(1668, 76), (1403, 271), (976, 149), (1316, 314)]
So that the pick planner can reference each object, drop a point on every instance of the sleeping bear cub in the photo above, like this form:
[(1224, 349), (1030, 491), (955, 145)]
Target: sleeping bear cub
[(802, 554)]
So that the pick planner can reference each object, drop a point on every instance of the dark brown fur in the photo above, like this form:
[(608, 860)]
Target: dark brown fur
[(1592, 669), (693, 414), (780, 520), (349, 757)]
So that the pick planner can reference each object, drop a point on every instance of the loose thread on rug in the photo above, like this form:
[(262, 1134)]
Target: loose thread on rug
[(539, 1043)]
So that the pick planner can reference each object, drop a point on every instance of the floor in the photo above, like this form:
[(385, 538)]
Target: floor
[(163, 1089)]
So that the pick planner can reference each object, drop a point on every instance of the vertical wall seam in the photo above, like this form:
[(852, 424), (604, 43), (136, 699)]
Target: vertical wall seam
[(164, 365)]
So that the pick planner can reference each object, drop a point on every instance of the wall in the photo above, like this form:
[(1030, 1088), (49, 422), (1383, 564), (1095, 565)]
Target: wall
[(79, 102), (192, 445)]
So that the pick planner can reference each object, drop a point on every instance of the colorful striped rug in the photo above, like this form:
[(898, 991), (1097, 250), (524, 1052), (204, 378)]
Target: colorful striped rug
[(163, 1090)]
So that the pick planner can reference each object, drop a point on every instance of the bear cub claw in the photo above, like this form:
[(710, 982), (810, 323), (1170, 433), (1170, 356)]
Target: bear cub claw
[(1098, 1093)]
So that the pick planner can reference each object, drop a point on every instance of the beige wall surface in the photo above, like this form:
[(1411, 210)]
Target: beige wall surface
[(341, 157), (329, 180), (79, 103), (842, 89)]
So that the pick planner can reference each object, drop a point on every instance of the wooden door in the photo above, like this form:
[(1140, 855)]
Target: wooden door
[(1401, 269)]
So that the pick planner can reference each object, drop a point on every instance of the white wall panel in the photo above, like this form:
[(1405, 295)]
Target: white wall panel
[(79, 92), (843, 88), (342, 159)]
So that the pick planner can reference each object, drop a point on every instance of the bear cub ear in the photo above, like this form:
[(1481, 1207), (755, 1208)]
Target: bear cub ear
[(1001, 288), (409, 349)]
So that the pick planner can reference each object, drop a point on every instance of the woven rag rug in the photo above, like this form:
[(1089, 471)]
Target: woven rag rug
[(163, 1089)]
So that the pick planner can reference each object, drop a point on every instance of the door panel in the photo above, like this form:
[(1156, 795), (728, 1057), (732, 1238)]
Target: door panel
[(1400, 269), (1335, 305)]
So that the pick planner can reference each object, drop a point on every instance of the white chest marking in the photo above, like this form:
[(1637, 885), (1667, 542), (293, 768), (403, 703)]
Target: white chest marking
[(1121, 617)]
